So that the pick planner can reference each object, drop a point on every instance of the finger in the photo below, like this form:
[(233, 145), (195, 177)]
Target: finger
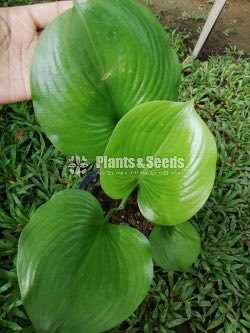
[(44, 13)]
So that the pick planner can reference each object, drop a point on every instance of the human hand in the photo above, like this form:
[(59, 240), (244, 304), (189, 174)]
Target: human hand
[(19, 31)]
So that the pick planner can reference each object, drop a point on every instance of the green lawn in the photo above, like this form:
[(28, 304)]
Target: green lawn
[(216, 292)]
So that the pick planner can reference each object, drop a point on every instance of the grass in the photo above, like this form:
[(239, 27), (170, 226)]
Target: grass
[(214, 296), (7, 3), (185, 15)]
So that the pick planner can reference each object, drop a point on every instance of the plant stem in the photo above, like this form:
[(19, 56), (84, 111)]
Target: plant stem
[(115, 209)]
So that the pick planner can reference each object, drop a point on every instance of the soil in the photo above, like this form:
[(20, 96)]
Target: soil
[(130, 215), (232, 27)]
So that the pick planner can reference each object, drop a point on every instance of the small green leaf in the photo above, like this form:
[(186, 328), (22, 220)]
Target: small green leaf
[(176, 322), (162, 131), (92, 65), (175, 247), (188, 309), (12, 325), (215, 323), (76, 272)]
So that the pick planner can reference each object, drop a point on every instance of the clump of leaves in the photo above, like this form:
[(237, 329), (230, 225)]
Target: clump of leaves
[(206, 295), (69, 250)]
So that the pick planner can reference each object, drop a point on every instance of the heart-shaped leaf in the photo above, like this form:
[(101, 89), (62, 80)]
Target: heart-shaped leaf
[(175, 248), (77, 273), (92, 65), (168, 193)]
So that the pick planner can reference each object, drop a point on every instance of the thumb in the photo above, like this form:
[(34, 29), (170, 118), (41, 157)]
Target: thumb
[(44, 13)]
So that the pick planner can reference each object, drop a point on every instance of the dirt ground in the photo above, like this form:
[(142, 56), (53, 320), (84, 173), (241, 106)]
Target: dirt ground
[(232, 27)]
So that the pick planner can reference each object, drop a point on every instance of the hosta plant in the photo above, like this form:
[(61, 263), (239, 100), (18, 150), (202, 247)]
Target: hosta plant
[(104, 82), (92, 65)]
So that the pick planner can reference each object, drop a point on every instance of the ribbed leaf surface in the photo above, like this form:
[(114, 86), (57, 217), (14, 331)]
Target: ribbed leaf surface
[(76, 272), (92, 65), (175, 248), (162, 129)]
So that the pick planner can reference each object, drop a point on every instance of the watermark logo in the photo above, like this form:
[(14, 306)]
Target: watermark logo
[(77, 165), (148, 165), (149, 162)]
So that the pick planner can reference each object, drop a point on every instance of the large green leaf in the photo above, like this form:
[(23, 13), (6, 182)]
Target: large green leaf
[(163, 130), (92, 65), (175, 248), (76, 272)]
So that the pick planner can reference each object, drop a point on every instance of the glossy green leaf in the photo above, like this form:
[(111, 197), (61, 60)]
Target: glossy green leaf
[(92, 65), (76, 272), (170, 130), (175, 248)]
